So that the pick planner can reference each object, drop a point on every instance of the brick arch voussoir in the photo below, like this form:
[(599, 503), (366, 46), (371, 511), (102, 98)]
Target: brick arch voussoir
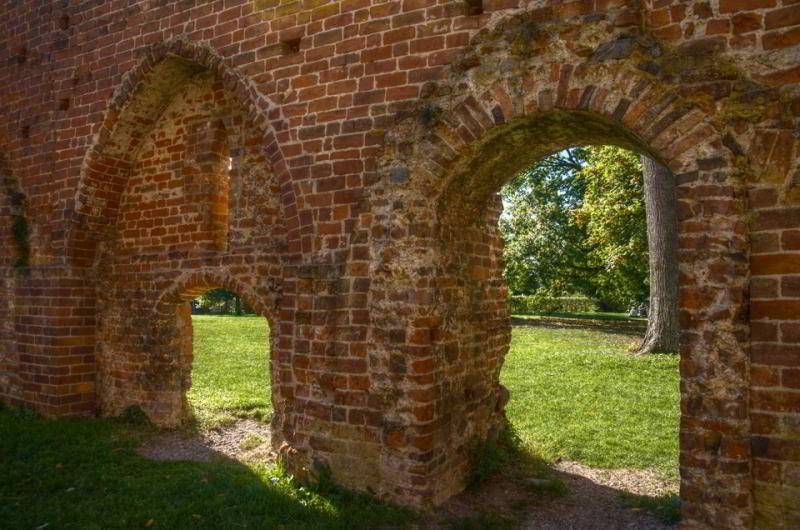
[(260, 111), (666, 126), (190, 285)]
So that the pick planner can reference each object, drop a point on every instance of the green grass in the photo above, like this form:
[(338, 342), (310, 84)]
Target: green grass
[(85, 475), (596, 315), (578, 394), (230, 372), (575, 394)]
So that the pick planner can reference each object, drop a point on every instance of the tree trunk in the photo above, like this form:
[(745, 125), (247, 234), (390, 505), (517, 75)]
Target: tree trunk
[(662, 242), (238, 302)]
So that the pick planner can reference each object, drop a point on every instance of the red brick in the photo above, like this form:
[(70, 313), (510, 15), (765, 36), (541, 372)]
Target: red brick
[(746, 22), (734, 6), (781, 18)]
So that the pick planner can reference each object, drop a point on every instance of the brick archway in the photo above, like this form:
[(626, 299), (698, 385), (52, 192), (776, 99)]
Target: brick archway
[(166, 377), (442, 169), (181, 182), (142, 96)]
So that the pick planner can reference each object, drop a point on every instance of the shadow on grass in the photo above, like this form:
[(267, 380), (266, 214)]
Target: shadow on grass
[(666, 508), (511, 487), (607, 323), (86, 474)]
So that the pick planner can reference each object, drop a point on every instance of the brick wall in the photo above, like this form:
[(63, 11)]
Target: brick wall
[(368, 139), (9, 385)]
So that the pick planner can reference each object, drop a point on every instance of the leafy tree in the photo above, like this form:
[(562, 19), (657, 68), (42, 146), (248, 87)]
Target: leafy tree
[(221, 301), (546, 250), (613, 213), (574, 223)]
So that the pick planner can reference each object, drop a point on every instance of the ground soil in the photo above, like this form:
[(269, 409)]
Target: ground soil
[(243, 440), (591, 500)]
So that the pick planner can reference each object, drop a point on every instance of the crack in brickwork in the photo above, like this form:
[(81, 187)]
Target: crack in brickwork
[(367, 140)]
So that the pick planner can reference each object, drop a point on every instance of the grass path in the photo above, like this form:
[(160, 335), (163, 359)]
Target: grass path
[(577, 394)]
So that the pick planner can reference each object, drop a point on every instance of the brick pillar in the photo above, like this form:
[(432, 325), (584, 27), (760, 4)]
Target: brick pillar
[(54, 330), (775, 328)]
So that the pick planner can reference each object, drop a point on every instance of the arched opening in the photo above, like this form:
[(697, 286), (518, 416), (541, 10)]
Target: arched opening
[(179, 186), (474, 333), (598, 411), (230, 378)]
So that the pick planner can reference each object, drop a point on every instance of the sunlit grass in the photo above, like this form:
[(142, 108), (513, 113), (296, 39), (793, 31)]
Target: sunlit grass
[(579, 394), (230, 371)]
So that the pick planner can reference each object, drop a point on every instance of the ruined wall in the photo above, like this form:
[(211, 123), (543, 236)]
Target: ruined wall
[(196, 198), (364, 221)]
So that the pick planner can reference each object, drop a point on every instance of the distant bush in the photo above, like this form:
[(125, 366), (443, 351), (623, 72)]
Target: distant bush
[(536, 303)]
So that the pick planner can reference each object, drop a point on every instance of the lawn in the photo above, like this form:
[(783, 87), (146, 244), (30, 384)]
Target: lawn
[(576, 394), (230, 373), (86, 475)]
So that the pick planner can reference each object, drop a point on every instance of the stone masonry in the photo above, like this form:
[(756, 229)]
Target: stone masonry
[(337, 164)]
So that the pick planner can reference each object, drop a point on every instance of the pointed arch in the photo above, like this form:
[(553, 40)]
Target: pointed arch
[(139, 101)]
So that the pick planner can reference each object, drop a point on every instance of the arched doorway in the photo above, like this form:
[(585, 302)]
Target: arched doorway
[(231, 360), (452, 161), (179, 192)]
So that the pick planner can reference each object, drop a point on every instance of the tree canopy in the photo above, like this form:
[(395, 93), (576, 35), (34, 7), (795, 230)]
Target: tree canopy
[(220, 301), (574, 223)]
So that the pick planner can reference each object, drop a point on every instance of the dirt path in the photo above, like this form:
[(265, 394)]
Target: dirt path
[(592, 499), (592, 502), (243, 440)]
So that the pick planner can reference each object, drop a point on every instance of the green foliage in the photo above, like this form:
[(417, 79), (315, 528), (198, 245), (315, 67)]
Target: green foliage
[(613, 214), (575, 223), (546, 250), (221, 302), (539, 303)]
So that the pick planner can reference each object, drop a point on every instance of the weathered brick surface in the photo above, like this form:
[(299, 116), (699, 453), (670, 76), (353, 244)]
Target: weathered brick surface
[(337, 164)]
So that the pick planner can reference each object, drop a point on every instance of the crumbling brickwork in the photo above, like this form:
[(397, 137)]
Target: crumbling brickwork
[(337, 162)]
